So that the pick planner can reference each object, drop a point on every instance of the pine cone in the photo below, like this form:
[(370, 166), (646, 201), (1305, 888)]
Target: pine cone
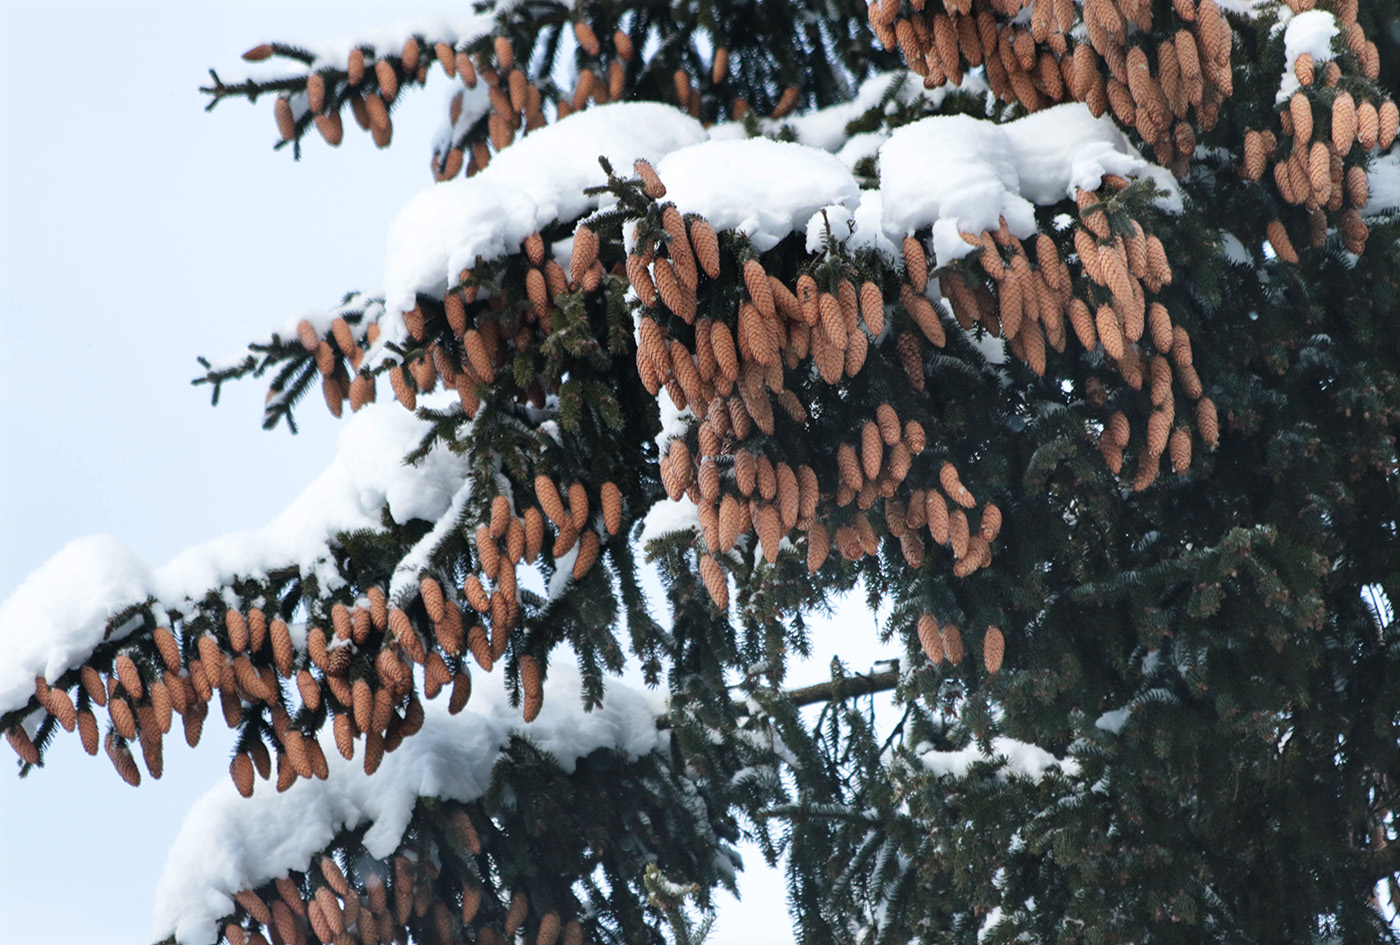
[(952, 485), (117, 751), (1343, 122), (871, 450), (818, 547), (241, 771), (286, 124), (1367, 125), (952, 643), (1278, 239), (849, 466), (936, 514), (872, 308), (19, 740), (848, 543), (1180, 449), (1388, 125), (756, 282), (1354, 231), (730, 523), (652, 184), (993, 649), (131, 679), (808, 297), (588, 548), (587, 39), (991, 522), (930, 639), (706, 244), (1207, 423), (924, 314), (715, 581)]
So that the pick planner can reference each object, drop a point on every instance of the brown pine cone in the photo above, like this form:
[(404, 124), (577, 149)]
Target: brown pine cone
[(241, 771), (924, 314), (872, 308), (1207, 423), (126, 671), (952, 485), (756, 282), (169, 649), (588, 548), (611, 498), (929, 639), (993, 649), (936, 514), (915, 263), (121, 758), (952, 643), (818, 547), (1278, 239), (706, 244), (991, 522), (715, 581), (286, 124), (532, 687), (652, 184)]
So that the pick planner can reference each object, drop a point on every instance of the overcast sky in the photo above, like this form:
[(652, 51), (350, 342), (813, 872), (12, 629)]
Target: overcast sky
[(137, 232)]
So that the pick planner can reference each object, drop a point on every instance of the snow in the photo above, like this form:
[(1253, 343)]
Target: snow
[(59, 612), (991, 921), (57, 616), (1383, 179), (404, 584), (957, 173), (1114, 720), (763, 189), (667, 517), (1312, 33), (1022, 759), (537, 180), (825, 128), (228, 843)]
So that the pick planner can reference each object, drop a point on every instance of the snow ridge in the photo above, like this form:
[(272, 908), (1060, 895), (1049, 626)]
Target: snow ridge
[(228, 843), (58, 615)]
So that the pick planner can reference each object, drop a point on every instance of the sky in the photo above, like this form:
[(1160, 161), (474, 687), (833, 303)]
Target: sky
[(137, 232)]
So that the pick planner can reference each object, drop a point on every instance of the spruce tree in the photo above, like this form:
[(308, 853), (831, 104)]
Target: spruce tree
[(1065, 333)]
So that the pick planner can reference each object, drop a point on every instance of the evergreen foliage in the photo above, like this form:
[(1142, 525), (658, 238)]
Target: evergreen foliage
[(1125, 483)]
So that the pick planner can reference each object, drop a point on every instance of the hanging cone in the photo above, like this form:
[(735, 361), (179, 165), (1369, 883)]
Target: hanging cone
[(872, 308), (915, 263), (756, 281), (706, 244), (952, 643), (1278, 239), (915, 440), (131, 679), (241, 771), (587, 554), (715, 581), (993, 649), (532, 686), (122, 760), (929, 639), (991, 522)]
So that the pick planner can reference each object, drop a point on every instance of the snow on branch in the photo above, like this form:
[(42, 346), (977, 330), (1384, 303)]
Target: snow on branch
[(228, 844), (61, 612), (537, 181), (962, 174), (1012, 758)]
